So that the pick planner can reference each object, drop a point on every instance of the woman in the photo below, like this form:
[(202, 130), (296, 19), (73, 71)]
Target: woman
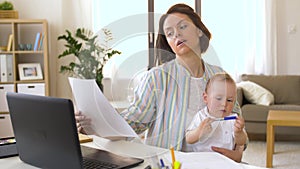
[(169, 95)]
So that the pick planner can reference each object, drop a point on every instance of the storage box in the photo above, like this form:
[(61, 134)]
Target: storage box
[(6, 129), (32, 88), (9, 14), (4, 88)]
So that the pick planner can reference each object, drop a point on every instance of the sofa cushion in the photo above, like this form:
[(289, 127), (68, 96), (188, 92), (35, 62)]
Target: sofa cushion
[(259, 113), (256, 94), (255, 113), (285, 88), (282, 133)]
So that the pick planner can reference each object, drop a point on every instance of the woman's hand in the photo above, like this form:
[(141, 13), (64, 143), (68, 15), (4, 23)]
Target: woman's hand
[(81, 122), (235, 155)]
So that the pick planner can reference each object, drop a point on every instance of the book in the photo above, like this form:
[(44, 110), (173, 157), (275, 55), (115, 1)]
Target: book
[(37, 41), (41, 42), (10, 41)]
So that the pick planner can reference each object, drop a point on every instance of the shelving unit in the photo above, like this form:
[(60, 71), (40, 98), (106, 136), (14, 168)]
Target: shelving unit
[(24, 31)]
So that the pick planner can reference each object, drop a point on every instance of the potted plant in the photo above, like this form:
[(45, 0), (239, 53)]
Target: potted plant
[(6, 6), (7, 11), (90, 55)]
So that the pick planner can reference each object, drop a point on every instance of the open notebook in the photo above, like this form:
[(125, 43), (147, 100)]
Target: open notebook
[(46, 135)]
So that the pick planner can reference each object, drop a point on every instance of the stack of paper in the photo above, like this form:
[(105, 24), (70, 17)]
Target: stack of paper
[(106, 121), (207, 160)]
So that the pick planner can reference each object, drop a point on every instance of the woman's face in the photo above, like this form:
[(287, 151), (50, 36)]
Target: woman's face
[(182, 35)]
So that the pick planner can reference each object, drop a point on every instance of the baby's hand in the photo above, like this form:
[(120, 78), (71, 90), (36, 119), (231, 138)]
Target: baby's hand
[(240, 134), (239, 124), (205, 128)]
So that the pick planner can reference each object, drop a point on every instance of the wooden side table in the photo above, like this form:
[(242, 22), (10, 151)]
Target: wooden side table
[(278, 118)]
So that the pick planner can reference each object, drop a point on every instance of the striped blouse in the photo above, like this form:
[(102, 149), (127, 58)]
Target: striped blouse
[(161, 101)]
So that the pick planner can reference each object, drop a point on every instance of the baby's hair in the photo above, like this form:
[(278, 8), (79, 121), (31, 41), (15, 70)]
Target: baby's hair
[(219, 77)]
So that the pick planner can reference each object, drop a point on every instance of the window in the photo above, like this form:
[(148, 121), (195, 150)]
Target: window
[(238, 37), (127, 21)]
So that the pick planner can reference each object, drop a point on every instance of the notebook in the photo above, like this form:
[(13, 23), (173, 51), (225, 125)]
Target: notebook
[(46, 135)]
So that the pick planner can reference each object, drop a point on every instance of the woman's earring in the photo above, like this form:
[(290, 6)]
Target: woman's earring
[(200, 33)]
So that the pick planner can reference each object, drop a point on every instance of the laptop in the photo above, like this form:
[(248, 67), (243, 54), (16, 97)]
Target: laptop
[(46, 135)]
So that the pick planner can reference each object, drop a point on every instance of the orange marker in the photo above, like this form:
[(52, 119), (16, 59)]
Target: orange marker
[(173, 155)]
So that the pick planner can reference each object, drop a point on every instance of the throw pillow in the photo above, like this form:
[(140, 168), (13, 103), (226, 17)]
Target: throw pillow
[(256, 94)]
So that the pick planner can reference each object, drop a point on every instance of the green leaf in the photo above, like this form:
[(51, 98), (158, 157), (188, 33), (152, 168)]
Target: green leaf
[(84, 46), (6, 6)]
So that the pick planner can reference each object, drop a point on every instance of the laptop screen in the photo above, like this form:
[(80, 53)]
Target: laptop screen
[(46, 134), (45, 130)]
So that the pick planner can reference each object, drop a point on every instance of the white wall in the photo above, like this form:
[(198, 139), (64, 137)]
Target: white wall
[(288, 44), (58, 23), (50, 10)]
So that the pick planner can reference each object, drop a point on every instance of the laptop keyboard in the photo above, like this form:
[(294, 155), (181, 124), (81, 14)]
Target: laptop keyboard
[(93, 164)]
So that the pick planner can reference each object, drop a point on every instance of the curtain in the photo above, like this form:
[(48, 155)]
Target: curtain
[(261, 37), (74, 14), (271, 37), (244, 35)]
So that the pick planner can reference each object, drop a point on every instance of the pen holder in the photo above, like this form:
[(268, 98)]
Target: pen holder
[(176, 165)]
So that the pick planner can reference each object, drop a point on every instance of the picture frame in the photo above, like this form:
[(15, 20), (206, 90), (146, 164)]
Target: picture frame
[(30, 71)]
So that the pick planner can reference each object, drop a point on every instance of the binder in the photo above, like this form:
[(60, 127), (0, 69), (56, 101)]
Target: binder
[(10, 68), (6, 62), (3, 68)]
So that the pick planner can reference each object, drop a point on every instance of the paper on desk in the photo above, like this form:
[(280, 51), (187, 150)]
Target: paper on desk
[(106, 121), (207, 160)]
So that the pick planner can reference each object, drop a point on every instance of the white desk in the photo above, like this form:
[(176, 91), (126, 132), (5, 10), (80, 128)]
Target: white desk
[(135, 149)]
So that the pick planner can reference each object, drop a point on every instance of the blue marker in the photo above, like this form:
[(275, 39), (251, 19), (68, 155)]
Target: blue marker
[(162, 163), (226, 118)]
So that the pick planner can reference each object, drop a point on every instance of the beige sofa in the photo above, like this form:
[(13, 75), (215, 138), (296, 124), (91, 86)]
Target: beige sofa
[(286, 92)]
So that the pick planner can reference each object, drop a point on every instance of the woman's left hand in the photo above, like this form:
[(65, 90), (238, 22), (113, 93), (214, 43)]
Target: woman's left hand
[(235, 155)]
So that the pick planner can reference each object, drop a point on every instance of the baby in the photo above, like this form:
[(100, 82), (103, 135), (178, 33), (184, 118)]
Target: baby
[(208, 128)]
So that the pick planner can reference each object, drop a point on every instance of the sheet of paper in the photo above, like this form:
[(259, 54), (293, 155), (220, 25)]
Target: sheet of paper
[(106, 121), (207, 160)]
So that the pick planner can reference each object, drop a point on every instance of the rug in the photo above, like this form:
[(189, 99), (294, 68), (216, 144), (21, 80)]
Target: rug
[(286, 156)]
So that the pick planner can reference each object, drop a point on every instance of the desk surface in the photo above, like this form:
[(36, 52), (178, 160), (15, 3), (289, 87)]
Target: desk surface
[(139, 150), (284, 118), (278, 118)]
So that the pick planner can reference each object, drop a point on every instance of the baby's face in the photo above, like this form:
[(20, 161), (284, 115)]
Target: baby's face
[(220, 98)]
